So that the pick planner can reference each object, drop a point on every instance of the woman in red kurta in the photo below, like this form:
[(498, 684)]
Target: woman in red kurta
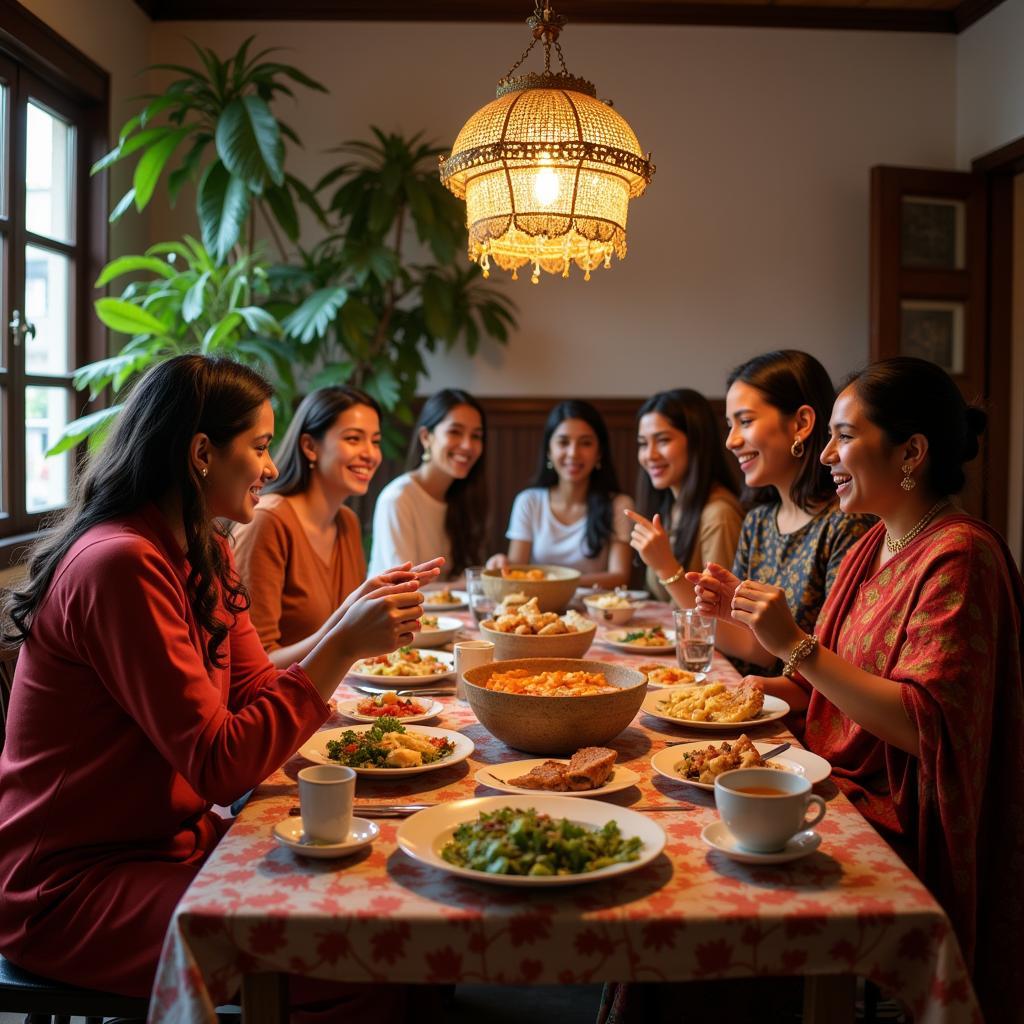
[(142, 693), (915, 676)]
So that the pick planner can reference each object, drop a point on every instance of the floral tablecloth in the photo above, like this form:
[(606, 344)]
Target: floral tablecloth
[(850, 908)]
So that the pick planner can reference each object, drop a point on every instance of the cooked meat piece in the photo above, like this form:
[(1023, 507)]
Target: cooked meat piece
[(550, 775), (590, 767)]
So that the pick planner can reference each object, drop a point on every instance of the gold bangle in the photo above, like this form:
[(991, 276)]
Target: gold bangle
[(803, 650), (674, 578)]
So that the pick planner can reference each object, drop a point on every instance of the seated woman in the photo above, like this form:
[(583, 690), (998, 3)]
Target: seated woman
[(572, 512), (688, 493), (795, 537), (142, 694), (439, 505), (301, 556), (916, 669)]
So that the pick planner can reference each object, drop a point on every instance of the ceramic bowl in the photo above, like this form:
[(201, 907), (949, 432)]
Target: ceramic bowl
[(553, 593), (610, 616), (562, 645), (556, 726)]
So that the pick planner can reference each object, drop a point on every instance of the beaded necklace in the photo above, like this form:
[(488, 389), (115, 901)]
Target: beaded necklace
[(895, 546)]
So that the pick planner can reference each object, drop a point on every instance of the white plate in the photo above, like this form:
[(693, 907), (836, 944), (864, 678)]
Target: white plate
[(774, 707), (424, 834), (315, 749), (621, 778), (614, 639), (639, 596), (698, 677), (289, 834), (718, 837), (461, 601), (403, 682), (445, 632), (799, 762), (348, 709)]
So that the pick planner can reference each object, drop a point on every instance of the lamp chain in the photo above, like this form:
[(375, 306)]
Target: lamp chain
[(546, 25)]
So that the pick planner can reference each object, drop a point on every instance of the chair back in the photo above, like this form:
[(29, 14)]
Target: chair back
[(8, 661)]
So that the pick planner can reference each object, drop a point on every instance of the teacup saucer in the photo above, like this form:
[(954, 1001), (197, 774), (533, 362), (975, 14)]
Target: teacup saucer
[(289, 833), (718, 837)]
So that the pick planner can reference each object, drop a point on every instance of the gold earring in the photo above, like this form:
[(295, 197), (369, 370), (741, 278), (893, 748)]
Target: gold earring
[(312, 466), (549, 464), (908, 483), (204, 471), (425, 457), (797, 449)]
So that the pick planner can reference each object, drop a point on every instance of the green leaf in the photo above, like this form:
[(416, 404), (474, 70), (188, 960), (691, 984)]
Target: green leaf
[(126, 200), (177, 178), (127, 318), (383, 386), (194, 303), (280, 201), (358, 324), (127, 146), (220, 331), (151, 165), (437, 307), (78, 430), (333, 374), (223, 204), (259, 321), (313, 317), (130, 264), (249, 142)]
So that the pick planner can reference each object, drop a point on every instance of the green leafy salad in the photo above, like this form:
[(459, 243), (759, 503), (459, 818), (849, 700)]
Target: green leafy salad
[(523, 842), (387, 744)]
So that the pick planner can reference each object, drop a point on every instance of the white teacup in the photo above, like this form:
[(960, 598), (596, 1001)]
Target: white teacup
[(469, 654), (765, 807), (325, 798)]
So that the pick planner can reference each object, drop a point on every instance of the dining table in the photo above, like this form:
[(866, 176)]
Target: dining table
[(257, 912)]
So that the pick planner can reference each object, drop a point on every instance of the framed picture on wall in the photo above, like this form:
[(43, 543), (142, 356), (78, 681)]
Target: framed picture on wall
[(932, 233), (934, 331)]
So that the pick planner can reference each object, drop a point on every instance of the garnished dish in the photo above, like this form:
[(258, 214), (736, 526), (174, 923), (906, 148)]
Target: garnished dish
[(387, 748), (528, 620), (369, 709), (436, 630), (533, 575), (591, 771), (699, 763), (406, 662), (714, 706), (609, 601), (669, 675), (444, 596), (533, 840), (513, 841), (653, 640), (444, 599), (557, 683)]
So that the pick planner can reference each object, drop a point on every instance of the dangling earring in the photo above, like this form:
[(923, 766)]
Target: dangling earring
[(203, 472), (908, 483), (425, 457), (312, 466), (549, 464), (797, 448)]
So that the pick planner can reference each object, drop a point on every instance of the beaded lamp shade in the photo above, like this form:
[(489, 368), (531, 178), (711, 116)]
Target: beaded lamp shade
[(547, 171)]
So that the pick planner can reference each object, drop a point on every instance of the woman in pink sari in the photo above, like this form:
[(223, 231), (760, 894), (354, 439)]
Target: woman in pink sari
[(915, 671)]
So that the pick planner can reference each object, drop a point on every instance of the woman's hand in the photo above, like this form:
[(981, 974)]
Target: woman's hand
[(650, 541), (405, 573), (765, 610), (382, 620), (499, 561), (714, 588)]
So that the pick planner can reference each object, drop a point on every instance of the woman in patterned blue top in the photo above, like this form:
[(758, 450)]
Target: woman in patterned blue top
[(777, 409)]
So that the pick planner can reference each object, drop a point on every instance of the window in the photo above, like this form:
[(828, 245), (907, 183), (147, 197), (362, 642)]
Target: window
[(52, 241)]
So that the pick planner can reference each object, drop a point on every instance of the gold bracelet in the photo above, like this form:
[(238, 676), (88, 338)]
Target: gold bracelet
[(674, 578), (803, 650)]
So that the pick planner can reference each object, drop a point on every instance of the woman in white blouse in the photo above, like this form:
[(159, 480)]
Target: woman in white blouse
[(572, 514)]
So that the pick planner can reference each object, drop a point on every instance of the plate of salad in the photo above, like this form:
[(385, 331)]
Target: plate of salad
[(410, 664), (408, 709), (638, 639), (387, 749), (531, 841)]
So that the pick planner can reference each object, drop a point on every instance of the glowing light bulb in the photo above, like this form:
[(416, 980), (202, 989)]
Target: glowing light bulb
[(545, 184)]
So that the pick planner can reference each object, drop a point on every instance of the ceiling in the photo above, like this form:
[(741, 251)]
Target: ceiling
[(877, 15)]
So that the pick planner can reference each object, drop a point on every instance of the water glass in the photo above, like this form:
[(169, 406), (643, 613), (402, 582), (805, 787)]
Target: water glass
[(481, 604), (695, 640)]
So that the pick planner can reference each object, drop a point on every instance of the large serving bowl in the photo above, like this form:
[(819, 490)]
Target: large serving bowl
[(555, 725), (561, 645), (553, 593)]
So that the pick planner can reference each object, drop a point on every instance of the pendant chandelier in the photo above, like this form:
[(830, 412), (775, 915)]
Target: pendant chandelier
[(547, 170)]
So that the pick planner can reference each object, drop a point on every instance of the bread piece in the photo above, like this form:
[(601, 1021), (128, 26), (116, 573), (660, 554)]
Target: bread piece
[(589, 768), (550, 776)]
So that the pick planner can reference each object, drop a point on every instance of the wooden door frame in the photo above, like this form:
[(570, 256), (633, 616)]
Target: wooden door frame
[(999, 168)]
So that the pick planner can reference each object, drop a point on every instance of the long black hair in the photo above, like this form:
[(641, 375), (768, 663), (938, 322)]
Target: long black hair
[(465, 520), (905, 396), (146, 458), (603, 483), (689, 411), (316, 414), (789, 379)]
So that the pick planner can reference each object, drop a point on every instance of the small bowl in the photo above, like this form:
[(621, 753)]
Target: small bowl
[(554, 726), (611, 616), (553, 593), (561, 645), (447, 627)]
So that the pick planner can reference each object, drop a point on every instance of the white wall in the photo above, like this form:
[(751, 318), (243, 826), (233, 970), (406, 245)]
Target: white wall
[(754, 233), (990, 82)]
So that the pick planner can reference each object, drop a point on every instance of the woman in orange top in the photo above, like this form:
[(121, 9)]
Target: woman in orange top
[(301, 557)]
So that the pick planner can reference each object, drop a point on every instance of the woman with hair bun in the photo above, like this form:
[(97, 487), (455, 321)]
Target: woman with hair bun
[(915, 668)]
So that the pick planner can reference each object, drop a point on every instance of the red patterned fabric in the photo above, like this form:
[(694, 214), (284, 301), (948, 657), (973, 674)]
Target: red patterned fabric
[(943, 619)]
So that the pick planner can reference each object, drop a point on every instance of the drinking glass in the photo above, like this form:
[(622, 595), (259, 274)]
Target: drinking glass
[(480, 603), (695, 640)]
